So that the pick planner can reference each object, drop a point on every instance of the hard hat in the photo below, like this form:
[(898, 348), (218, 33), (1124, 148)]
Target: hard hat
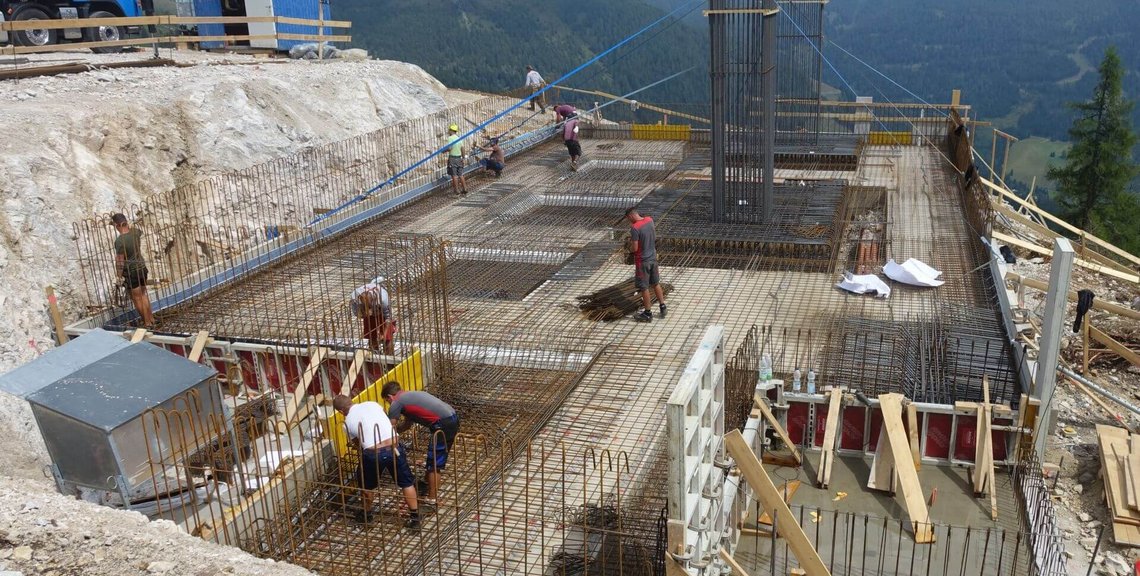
[(453, 128)]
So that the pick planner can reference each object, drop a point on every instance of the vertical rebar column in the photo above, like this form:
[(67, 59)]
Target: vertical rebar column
[(717, 71), (768, 87)]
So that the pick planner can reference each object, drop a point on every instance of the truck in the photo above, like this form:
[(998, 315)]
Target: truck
[(25, 10)]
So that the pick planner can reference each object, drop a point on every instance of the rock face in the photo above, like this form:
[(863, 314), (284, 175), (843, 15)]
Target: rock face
[(99, 142)]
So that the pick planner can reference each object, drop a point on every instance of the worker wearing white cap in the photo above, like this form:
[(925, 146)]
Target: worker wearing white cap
[(371, 304), (455, 160)]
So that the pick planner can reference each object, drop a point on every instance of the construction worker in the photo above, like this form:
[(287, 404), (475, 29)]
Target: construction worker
[(131, 266), (535, 83), (455, 160), (369, 428), (643, 239), (441, 420), (569, 116), (496, 161), (371, 304)]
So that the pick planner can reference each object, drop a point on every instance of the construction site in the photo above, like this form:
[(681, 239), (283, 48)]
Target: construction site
[(787, 416)]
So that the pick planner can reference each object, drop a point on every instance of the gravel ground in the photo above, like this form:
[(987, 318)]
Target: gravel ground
[(99, 141)]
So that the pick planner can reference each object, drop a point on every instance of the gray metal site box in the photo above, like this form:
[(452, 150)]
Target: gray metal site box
[(92, 419)]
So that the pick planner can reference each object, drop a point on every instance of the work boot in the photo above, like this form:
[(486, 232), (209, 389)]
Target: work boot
[(662, 309), (644, 316), (574, 165), (412, 523)]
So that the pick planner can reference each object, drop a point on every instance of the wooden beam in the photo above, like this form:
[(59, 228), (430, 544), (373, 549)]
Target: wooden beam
[(61, 337), (827, 450), (882, 475), (891, 405), (762, 404), (1134, 278), (1133, 467), (1098, 303), (138, 335), (294, 401), (353, 371), (1115, 346), (912, 432), (788, 490), (760, 11), (773, 504), (199, 346), (732, 563), (1048, 235)]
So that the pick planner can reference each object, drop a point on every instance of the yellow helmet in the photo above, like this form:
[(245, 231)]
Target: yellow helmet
[(453, 128)]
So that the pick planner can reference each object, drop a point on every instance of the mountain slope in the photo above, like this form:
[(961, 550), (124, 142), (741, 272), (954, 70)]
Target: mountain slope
[(486, 44)]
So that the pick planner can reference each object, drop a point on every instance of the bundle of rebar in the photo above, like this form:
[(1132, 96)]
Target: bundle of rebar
[(614, 302)]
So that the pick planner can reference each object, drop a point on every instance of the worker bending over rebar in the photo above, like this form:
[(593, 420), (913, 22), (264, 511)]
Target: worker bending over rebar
[(372, 305), (368, 426), (441, 420)]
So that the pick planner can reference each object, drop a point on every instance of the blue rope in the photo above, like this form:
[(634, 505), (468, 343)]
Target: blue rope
[(510, 109), (888, 78)]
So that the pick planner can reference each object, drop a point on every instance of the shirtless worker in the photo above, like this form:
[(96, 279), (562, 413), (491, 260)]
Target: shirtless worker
[(441, 420), (131, 266), (370, 429), (643, 245), (496, 161), (371, 304)]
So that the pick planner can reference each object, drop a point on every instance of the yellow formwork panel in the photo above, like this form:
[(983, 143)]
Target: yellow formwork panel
[(409, 374), (881, 138), (660, 131)]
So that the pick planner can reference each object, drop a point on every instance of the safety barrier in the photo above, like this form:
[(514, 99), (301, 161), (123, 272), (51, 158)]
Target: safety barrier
[(152, 21)]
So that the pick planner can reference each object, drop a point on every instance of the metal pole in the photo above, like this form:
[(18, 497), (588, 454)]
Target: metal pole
[(716, 64), (768, 88), (1059, 275), (1097, 388)]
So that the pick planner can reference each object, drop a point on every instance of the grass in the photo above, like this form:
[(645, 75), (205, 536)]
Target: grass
[(1030, 157)]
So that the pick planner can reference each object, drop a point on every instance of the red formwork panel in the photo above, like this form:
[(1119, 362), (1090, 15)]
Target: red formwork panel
[(177, 349), (853, 422), (246, 362), (797, 421), (270, 370), (938, 436), (918, 423), (876, 428), (334, 370), (999, 438), (215, 361), (292, 366), (820, 425), (967, 440)]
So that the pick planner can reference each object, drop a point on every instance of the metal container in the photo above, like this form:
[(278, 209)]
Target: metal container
[(93, 413)]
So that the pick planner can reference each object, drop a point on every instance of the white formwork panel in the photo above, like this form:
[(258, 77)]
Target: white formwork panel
[(695, 420)]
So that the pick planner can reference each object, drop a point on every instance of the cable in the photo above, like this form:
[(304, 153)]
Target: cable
[(485, 123), (888, 78)]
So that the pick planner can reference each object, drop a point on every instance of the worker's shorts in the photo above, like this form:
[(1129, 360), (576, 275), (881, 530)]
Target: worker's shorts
[(442, 439), (454, 165), (574, 148), (135, 278), (646, 275), (373, 463), (497, 167), (376, 329)]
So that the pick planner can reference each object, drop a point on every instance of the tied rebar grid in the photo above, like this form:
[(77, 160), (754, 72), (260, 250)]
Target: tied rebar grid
[(220, 221)]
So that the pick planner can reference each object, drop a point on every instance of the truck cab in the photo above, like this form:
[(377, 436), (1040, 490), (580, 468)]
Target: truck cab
[(25, 10)]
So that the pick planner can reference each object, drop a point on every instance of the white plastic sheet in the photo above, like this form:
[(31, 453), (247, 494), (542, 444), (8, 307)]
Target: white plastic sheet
[(865, 284), (913, 272)]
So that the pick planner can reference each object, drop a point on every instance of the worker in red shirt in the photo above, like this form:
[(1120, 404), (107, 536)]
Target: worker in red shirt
[(643, 245)]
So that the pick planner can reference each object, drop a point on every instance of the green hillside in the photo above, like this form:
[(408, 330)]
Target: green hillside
[(486, 44)]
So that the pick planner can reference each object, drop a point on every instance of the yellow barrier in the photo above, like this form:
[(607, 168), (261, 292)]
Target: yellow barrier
[(660, 132), (409, 374), (880, 138)]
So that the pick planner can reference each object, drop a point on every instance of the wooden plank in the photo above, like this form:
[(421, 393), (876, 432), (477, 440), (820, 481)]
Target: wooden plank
[(1125, 463), (827, 450), (138, 335), (294, 401), (314, 37), (1134, 278), (1113, 441), (350, 376), (773, 504), (61, 337), (199, 346), (762, 404), (308, 22), (912, 431), (909, 485), (732, 563), (1115, 346), (195, 20), (788, 490), (1098, 304), (983, 451), (59, 24), (672, 568), (1048, 235), (882, 475), (972, 406)]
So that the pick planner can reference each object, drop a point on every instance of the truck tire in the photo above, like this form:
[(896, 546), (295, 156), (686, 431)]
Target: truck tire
[(38, 37), (105, 33)]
